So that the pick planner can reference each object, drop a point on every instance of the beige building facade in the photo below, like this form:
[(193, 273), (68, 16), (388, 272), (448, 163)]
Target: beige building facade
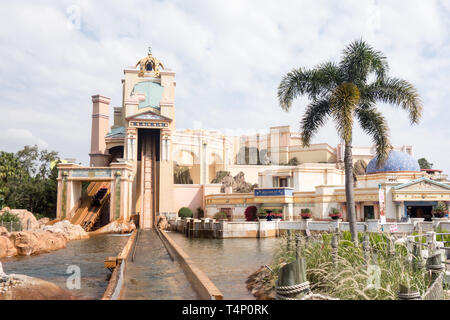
[(133, 156)]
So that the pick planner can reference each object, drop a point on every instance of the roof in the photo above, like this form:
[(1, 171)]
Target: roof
[(396, 161), (404, 185), (117, 132)]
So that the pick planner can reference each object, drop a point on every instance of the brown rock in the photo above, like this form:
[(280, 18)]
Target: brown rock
[(7, 248), (43, 221), (117, 226), (68, 230), (27, 288), (163, 224), (4, 232), (27, 219), (30, 242)]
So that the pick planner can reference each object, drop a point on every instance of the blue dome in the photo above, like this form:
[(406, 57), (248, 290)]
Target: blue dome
[(397, 161)]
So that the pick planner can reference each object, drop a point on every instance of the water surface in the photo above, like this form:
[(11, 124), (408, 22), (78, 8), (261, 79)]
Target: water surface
[(228, 262), (88, 254)]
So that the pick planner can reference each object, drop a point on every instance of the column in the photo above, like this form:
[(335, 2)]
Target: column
[(358, 211)]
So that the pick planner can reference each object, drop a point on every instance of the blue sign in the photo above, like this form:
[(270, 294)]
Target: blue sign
[(273, 192)]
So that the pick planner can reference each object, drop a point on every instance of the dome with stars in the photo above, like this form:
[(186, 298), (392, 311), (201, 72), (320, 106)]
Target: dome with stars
[(397, 161)]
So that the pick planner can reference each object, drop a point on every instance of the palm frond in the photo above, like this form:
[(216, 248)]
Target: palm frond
[(374, 124), (315, 116), (314, 83), (359, 60), (343, 102), (399, 92)]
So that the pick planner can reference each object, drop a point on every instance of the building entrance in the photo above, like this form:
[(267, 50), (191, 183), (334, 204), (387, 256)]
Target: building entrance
[(148, 163)]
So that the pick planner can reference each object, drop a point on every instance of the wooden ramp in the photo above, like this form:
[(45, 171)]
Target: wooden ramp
[(90, 205)]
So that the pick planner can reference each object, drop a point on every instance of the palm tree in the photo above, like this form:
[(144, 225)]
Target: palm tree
[(344, 91)]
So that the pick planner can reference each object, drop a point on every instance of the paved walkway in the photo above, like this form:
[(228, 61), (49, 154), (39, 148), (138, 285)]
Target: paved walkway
[(153, 275)]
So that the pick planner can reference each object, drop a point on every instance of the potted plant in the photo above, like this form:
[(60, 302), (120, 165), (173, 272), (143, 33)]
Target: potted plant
[(262, 214), (440, 210), (306, 213), (335, 213), (277, 214)]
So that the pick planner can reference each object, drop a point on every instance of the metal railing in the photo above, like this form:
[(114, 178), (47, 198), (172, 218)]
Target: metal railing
[(11, 226)]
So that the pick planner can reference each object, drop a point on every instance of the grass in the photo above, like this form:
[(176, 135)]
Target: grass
[(349, 276)]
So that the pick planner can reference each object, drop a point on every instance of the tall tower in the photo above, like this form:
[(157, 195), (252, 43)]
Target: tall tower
[(149, 121), (100, 126)]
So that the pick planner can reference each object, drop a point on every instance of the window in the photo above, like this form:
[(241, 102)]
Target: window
[(283, 182), (369, 212)]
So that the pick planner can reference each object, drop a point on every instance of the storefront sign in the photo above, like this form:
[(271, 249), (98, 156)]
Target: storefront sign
[(273, 192), (148, 124)]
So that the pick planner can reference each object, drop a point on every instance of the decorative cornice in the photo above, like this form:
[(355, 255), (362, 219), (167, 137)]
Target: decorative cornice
[(99, 98)]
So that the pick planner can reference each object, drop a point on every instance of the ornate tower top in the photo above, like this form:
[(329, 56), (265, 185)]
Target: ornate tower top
[(149, 65)]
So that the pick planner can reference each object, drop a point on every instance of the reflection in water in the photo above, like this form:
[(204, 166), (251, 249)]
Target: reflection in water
[(153, 275), (88, 254), (228, 262)]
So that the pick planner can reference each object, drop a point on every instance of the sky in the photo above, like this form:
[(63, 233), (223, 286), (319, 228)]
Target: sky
[(229, 57)]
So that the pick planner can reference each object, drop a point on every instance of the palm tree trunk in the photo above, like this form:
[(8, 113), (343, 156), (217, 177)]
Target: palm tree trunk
[(349, 191)]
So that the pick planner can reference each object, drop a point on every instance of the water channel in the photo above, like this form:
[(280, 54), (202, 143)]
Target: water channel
[(228, 262), (153, 275), (88, 254)]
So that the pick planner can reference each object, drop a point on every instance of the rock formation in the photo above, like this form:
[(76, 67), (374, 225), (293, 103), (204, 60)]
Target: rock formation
[(7, 248), (21, 287), (117, 226), (43, 221), (68, 230), (237, 183), (27, 219), (181, 175), (163, 224), (36, 242)]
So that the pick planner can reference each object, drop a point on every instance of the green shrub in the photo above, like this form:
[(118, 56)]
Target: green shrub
[(9, 217), (220, 215), (185, 212), (305, 210), (200, 213), (262, 212), (443, 237), (39, 216)]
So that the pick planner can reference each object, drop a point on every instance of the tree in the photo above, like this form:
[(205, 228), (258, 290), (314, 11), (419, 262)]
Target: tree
[(344, 91), (28, 181), (424, 164)]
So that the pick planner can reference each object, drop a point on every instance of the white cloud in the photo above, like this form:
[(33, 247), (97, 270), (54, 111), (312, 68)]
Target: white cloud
[(229, 58), (12, 138)]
